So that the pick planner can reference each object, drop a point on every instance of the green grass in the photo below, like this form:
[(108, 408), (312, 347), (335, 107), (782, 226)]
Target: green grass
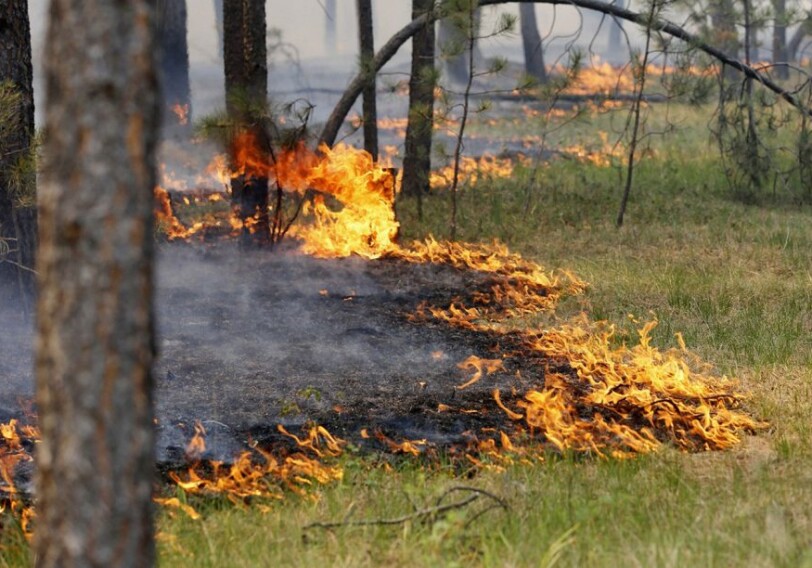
[(735, 279)]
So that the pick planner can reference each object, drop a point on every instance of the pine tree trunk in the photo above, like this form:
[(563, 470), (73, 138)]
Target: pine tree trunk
[(18, 217), (246, 71), (367, 51), (531, 42), (616, 31), (780, 39), (417, 156), (94, 322), (174, 50)]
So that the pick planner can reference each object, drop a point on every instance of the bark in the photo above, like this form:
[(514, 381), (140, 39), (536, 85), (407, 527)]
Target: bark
[(367, 54), (780, 58), (174, 59), (417, 155), (453, 41), (390, 48), (17, 220), (330, 26), (246, 72), (94, 348), (531, 42)]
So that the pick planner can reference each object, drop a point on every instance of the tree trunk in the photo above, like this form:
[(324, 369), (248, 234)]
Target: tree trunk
[(174, 50), (615, 42), (367, 54), (246, 71), (18, 218), (780, 58), (417, 155), (725, 35), (94, 348), (453, 41), (330, 26), (531, 42)]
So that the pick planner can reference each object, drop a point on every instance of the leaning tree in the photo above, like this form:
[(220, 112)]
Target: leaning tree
[(94, 349)]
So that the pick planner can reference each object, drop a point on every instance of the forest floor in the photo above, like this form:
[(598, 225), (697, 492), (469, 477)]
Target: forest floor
[(733, 276)]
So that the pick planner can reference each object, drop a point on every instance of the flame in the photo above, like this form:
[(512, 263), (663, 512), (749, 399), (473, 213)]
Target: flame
[(474, 170), (479, 367), (13, 437), (181, 112)]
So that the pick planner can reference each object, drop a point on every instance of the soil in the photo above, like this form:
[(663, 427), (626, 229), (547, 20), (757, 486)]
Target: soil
[(249, 340)]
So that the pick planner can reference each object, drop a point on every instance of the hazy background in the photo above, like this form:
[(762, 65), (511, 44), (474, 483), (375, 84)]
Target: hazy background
[(302, 24)]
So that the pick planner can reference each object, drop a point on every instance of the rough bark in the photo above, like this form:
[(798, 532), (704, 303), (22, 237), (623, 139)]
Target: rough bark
[(94, 348), (174, 50), (417, 154), (17, 218), (246, 72), (390, 48), (531, 43), (366, 43)]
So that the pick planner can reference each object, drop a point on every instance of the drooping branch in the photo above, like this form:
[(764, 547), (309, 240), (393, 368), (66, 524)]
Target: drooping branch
[(390, 48)]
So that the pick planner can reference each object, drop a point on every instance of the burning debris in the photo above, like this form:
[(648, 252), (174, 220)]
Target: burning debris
[(409, 350)]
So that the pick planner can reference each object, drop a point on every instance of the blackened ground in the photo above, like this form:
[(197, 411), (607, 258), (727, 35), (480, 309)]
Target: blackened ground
[(249, 340)]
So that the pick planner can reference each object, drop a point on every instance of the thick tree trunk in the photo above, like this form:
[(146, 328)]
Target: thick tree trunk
[(367, 54), (417, 155), (246, 71), (174, 50), (18, 216), (94, 348), (531, 42)]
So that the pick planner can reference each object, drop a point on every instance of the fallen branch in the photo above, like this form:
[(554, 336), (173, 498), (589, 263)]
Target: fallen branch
[(390, 48), (425, 514)]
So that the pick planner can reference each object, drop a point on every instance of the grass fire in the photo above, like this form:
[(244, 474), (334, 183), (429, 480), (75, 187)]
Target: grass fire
[(381, 283)]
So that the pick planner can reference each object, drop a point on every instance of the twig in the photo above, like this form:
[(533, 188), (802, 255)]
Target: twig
[(426, 513)]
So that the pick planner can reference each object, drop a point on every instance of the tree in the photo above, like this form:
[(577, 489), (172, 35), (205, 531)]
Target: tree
[(330, 25), (174, 50), (18, 215), (94, 350), (531, 42), (780, 39), (453, 43), (367, 54), (245, 55), (423, 78)]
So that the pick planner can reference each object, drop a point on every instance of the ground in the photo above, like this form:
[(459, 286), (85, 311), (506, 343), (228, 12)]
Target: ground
[(735, 279)]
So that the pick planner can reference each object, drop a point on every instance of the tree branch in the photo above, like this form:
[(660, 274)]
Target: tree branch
[(390, 48)]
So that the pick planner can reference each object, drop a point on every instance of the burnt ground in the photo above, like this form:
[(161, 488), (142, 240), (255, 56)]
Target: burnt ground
[(250, 340)]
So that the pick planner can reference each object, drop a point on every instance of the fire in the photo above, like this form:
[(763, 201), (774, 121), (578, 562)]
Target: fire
[(474, 170), (13, 439), (259, 473), (181, 112)]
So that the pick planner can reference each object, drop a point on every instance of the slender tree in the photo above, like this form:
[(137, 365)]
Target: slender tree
[(453, 41), (367, 54), (423, 78), (174, 50), (18, 217), (245, 55), (330, 16), (780, 58), (94, 347), (616, 30), (218, 23), (531, 42)]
